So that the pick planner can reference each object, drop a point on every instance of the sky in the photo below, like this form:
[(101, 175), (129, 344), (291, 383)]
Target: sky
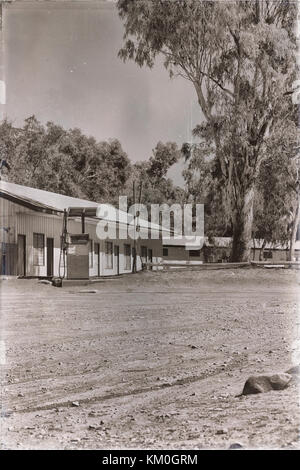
[(61, 64)]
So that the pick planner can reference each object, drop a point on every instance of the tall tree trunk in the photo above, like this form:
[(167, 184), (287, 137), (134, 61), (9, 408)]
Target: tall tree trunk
[(242, 226), (295, 226)]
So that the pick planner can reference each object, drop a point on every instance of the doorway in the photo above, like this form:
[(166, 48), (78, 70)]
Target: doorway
[(97, 256), (21, 269), (50, 252), (117, 258), (150, 257)]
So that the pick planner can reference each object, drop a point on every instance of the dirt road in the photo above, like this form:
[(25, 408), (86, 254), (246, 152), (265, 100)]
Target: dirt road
[(153, 360)]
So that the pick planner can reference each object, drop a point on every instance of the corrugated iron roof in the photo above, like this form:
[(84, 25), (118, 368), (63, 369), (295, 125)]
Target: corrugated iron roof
[(54, 201), (48, 201)]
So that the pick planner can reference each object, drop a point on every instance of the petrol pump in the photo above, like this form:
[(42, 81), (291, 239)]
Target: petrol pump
[(74, 255)]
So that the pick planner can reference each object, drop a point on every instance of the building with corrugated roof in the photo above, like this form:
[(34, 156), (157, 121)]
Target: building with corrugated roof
[(217, 250), (45, 234)]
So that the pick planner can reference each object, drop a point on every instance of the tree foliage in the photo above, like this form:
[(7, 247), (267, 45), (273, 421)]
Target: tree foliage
[(151, 176), (277, 195), (202, 186), (68, 162), (240, 58)]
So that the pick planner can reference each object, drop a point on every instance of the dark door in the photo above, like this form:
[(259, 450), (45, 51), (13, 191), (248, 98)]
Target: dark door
[(50, 257), (117, 258), (3, 259), (21, 255), (97, 256), (150, 258)]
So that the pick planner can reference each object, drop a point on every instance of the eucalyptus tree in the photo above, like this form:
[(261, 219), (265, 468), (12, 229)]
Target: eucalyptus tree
[(240, 58), (64, 161)]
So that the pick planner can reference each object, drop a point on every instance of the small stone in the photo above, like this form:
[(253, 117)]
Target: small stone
[(88, 291), (20, 395), (171, 430), (294, 370), (75, 403), (236, 445), (222, 431)]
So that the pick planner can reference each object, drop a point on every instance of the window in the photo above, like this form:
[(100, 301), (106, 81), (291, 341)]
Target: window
[(194, 253), (38, 249), (91, 253), (108, 255), (127, 257), (165, 252), (268, 254)]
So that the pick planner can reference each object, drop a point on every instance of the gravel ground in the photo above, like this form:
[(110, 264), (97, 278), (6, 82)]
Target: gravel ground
[(151, 360)]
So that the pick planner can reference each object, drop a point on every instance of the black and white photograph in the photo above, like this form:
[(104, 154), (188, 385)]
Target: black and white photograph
[(149, 227)]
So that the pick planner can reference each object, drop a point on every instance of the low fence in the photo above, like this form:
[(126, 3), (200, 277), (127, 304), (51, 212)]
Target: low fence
[(207, 266), (193, 267), (276, 264)]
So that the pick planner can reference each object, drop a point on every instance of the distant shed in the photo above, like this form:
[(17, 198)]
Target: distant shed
[(218, 249)]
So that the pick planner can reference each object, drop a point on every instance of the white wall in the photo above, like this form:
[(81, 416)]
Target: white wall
[(25, 222)]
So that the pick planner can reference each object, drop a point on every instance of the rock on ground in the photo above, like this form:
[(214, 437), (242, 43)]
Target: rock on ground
[(266, 383)]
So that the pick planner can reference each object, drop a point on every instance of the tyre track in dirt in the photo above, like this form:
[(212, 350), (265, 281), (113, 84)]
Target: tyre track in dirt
[(175, 334), (97, 399)]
